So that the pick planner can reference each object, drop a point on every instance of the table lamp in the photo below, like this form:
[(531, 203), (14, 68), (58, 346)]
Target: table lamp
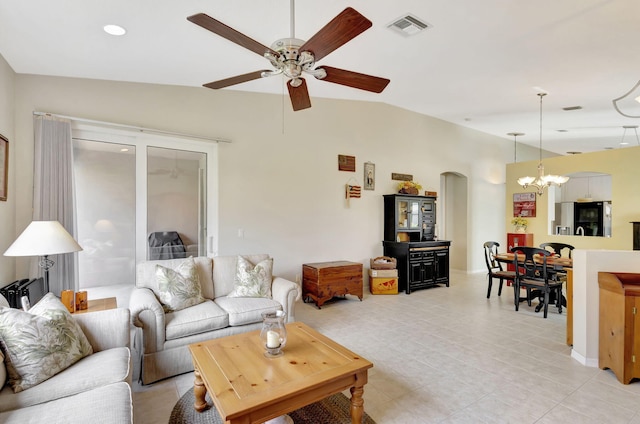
[(43, 238)]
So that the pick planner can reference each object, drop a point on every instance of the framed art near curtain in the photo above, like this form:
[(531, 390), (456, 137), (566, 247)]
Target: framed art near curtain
[(4, 167)]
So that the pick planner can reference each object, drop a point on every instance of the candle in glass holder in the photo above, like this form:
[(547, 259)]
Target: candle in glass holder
[(273, 339)]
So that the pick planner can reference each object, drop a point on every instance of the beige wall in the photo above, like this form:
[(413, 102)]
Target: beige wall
[(279, 178), (622, 164), (7, 209)]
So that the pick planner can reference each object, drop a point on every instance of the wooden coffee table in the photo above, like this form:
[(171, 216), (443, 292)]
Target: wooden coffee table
[(247, 387)]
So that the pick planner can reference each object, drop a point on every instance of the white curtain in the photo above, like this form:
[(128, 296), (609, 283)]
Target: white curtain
[(53, 191)]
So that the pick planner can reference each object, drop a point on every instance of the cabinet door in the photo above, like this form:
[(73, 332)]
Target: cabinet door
[(408, 213), (636, 338), (442, 266), (429, 267), (415, 272)]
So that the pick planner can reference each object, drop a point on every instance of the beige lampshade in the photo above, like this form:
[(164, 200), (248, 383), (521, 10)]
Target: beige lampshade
[(43, 238)]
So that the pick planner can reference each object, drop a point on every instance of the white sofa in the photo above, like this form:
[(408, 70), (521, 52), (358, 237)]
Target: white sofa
[(166, 336), (96, 389)]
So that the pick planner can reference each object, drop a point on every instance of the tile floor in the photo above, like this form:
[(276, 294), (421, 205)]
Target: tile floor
[(449, 355)]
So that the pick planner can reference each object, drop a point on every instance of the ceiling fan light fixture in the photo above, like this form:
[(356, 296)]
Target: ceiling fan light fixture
[(293, 57)]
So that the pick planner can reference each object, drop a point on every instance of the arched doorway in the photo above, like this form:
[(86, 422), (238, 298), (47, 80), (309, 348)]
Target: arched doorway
[(452, 224)]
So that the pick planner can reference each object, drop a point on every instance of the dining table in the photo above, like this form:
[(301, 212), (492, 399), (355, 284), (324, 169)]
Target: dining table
[(556, 265)]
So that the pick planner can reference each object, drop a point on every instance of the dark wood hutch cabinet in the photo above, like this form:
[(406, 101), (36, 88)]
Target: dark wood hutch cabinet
[(409, 236)]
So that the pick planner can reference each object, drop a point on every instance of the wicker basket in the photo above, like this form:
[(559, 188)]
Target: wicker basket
[(410, 190), (383, 262)]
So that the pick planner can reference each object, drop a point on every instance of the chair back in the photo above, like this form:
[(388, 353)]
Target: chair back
[(490, 251), (529, 266), (558, 248)]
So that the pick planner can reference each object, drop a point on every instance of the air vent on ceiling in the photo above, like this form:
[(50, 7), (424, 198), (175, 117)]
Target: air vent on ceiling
[(572, 108), (408, 25)]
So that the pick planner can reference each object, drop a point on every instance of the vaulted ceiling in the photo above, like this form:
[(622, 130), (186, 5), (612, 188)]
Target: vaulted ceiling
[(480, 64)]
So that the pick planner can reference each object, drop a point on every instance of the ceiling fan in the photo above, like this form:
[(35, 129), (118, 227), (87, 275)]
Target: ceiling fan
[(293, 57)]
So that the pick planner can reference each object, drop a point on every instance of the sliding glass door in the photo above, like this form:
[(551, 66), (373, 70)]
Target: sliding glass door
[(105, 192), (140, 197), (176, 203)]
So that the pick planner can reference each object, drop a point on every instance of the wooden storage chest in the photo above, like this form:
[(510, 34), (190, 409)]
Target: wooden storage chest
[(619, 337), (323, 280)]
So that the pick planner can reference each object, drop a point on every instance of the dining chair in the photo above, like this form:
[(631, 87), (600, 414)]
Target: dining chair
[(494, 267), (532, 272), (558, 248), (560, 273)]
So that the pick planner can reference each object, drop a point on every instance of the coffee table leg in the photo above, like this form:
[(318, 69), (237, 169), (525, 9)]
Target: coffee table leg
[(200, 391), (357, 404)]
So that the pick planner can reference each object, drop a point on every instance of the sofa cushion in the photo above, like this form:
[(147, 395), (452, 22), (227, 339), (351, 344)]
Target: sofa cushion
[(107, 404), (224, 271), (102, 368), (246, 310), (41, 342), (252, 280), (146, 273), (206, 316), (178, 288)]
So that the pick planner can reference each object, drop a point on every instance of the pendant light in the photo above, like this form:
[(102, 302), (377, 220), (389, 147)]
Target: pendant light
[(541, 181), (624, 132), (515, 145)]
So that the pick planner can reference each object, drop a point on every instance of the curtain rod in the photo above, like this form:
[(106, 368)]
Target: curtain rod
[(132, 127)]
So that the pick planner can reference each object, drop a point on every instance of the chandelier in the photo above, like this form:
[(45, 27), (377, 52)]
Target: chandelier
[(541, 181)]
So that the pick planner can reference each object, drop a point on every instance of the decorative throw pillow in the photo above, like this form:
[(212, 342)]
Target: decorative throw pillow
[(252, 281), (40, 343), (179, 288)]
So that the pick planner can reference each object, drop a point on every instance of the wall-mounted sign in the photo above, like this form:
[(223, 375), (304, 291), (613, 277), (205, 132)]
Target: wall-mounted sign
[(347, 163), (524, 204), (401, 177)]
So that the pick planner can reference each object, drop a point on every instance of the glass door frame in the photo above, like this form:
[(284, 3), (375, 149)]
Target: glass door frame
[(141, 140)]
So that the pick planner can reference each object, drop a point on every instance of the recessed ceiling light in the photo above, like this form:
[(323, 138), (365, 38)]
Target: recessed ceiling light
[(114, 29), (124, 149)]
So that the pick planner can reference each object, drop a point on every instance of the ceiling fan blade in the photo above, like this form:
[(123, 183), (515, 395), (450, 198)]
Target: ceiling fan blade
[(299, 95), (238, 79), (344, 27), (355, 79), (225, 31)]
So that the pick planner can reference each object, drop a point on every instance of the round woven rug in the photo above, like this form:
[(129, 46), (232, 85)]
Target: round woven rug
[(332, 410)]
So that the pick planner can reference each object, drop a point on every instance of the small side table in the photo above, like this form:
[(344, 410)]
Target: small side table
[(323, 280), (99, 305)]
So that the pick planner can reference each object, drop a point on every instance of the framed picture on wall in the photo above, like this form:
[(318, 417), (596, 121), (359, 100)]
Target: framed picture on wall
[(369, 176), (524, 204), (4, 167)]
